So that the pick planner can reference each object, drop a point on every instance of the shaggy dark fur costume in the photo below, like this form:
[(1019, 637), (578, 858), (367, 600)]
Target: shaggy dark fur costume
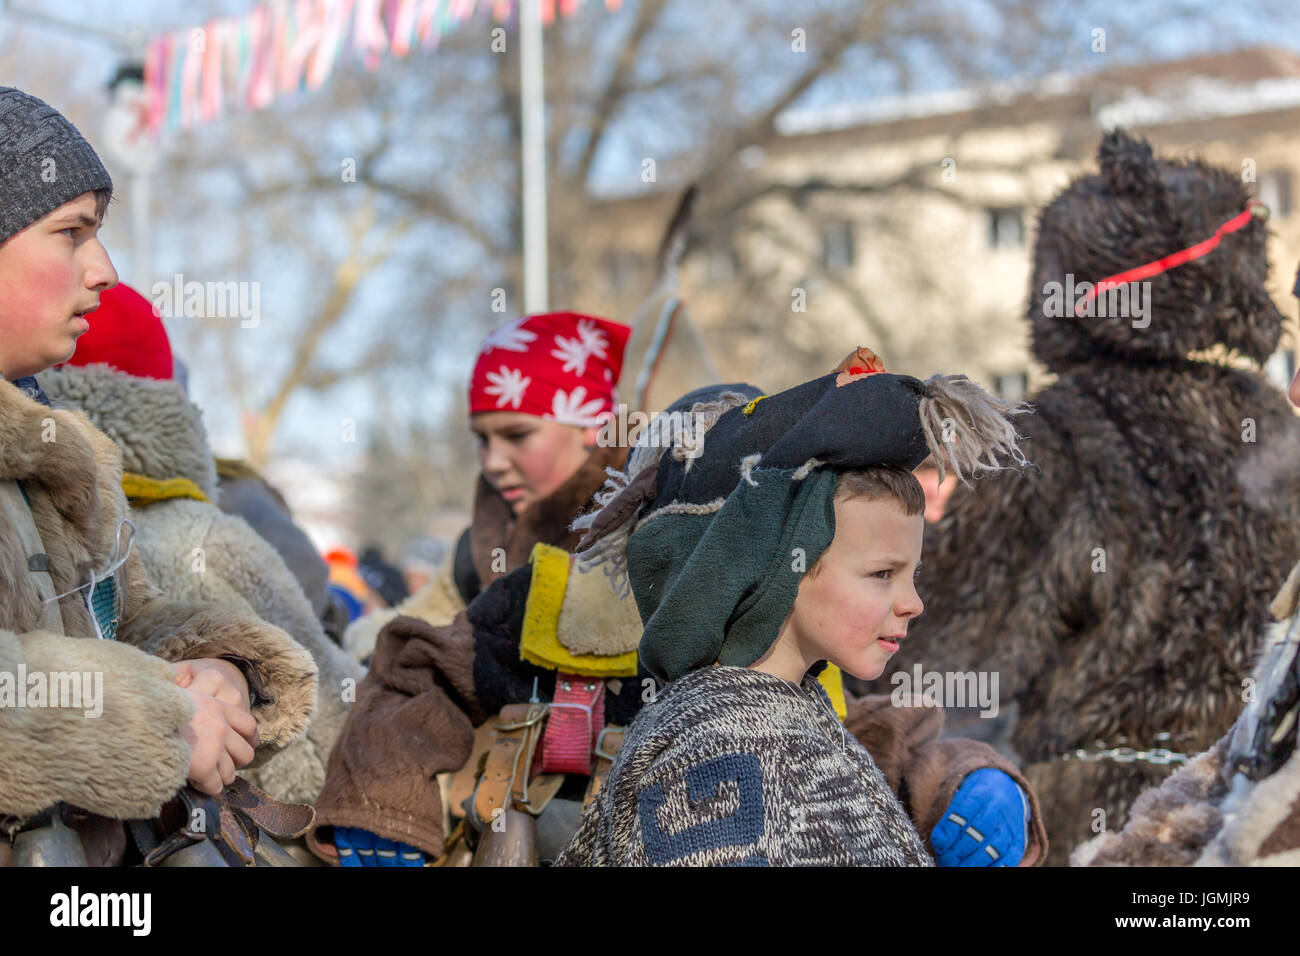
[(1138, 451)]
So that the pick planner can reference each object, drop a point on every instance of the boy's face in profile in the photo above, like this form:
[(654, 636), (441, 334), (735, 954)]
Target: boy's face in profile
[(863, 592), (51, 274)]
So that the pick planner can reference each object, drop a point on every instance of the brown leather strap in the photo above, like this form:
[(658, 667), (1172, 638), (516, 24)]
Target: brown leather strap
[(464, 780), (541, 791), (178, 841), (282, 820), (200, 819), (517, 729), (231, 821), (235, 836)]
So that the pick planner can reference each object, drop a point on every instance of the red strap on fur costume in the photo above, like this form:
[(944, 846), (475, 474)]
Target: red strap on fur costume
[(1173, 259), (574, 724)]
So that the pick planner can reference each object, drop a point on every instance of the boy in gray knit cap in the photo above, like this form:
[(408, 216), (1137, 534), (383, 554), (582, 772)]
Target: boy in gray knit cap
[(182, 691), (53, 194), (788, 540)]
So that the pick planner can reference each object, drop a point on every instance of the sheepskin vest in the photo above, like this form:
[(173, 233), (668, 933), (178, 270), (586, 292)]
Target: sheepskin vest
[(16, 515), (71, 514)]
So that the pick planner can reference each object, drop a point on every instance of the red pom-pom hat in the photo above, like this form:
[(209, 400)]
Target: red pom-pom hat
[(126, 333)]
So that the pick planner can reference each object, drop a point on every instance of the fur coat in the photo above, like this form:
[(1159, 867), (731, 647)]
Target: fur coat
[(1208, 813), (129, 760), (195, 551), (1117, 588)]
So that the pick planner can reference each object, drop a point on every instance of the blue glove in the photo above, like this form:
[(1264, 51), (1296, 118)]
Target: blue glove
[(989, 812), (359, 847)]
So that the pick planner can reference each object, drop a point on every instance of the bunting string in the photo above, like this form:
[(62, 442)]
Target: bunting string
[(281, 47)]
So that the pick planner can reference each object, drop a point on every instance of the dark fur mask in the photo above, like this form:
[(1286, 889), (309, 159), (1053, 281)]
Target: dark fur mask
[(1135, 210)]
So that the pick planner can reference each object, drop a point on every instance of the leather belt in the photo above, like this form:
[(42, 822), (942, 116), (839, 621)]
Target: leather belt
[(509, 762), (232, 821)]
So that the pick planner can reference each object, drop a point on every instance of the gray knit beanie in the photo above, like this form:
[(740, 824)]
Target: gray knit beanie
[(44, 161)]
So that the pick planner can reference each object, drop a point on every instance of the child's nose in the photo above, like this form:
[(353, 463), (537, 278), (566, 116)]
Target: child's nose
[(911, 605), (495, 461)]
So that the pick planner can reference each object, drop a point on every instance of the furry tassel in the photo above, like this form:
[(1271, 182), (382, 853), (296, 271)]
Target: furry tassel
[(684, 434), (609, 550), (968, 430)]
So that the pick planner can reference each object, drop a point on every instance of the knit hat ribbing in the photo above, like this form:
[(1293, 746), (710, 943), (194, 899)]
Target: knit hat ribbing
[(44, 162)]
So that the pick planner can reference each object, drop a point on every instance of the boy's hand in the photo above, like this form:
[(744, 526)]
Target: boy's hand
[(222, 734), (988, 812), (214, 677), (221, 739)]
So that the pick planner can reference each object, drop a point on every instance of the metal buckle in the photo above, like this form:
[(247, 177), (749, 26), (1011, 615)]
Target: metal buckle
[(599, 749), (532, 718)]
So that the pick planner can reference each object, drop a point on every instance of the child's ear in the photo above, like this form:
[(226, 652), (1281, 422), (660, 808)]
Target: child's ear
[(589, 437)]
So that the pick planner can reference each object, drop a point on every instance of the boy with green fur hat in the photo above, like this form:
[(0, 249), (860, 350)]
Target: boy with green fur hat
[(789, 540)]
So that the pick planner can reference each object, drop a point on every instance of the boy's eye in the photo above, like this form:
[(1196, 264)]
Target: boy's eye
[(888, 573)]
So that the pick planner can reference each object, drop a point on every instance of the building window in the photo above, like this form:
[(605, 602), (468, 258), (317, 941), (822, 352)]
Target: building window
[(837, 246), (1280, 368), (1006, 228), (1012, 386), (1275, 191)]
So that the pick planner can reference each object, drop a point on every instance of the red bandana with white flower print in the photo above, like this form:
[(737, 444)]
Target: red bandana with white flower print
[(561, 366)]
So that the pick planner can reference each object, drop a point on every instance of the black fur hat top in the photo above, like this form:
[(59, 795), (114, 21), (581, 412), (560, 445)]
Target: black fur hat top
[(1138, 209)]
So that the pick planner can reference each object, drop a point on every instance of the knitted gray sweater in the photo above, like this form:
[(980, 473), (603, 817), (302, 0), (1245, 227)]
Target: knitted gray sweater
[(734, 767)]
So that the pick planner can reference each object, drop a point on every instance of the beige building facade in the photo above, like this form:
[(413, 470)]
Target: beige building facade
[(908, 225)]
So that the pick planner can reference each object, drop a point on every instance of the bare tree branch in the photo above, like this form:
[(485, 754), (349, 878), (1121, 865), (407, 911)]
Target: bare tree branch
[(764, 125), (347, 275), (647, 16)]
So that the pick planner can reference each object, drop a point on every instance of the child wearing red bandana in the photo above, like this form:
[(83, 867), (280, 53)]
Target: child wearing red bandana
[(541, 387)]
